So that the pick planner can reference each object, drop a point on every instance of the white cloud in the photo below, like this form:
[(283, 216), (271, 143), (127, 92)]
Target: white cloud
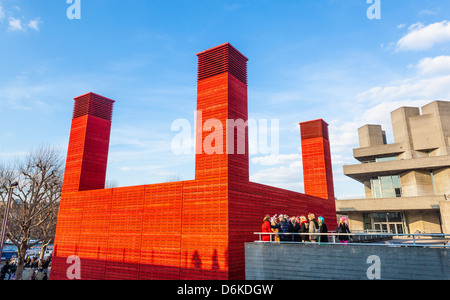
[(285, 177), (2, 12), (434, 88), (429, 12), (434, 65), (378, 102), (17, 24), (421, 37), (270, 160), (34, 24), (14, 24)]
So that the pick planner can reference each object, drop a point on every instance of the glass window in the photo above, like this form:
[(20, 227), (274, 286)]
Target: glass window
[(378, 227), (387, 188), (392, 228), (379, 217), (375, 186), (367, 222), (380, 159), (396, 181), (394, 217)]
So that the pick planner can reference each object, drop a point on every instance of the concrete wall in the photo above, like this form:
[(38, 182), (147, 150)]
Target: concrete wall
[(370, 135), (425, 221), (442, 181), (445, 215), (265, 261)]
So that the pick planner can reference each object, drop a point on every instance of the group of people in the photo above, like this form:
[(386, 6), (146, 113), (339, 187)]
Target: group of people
[(8, 271), (34, 262), (312, 230)]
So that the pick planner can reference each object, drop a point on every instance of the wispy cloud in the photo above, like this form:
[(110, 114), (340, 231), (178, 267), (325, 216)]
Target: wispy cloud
[(14, 24), (270, 160), (439, 65), (286, 177), (34, 24), (232, 7), (421, 37), (430, 12), (2, 12)]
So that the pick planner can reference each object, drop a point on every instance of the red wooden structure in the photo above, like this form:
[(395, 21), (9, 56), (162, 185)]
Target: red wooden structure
[(192, 229)]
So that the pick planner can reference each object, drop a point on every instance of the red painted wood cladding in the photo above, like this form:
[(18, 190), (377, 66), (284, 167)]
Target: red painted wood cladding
[(182, 230)]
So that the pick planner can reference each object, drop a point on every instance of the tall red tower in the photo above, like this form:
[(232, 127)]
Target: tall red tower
[(317, 167), (88, 144), (193, 229)]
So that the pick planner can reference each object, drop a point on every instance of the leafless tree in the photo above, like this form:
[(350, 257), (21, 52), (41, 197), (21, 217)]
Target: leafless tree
[(173, 178), (33, 214), (111, 183)]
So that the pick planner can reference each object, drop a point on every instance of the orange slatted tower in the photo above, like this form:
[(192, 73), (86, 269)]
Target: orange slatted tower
[(317, 167), (192, 229)]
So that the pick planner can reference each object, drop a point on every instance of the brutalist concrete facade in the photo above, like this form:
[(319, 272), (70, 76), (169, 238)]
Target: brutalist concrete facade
[(409, 179)]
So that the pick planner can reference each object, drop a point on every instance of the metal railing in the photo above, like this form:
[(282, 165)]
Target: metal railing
[(373, 239)]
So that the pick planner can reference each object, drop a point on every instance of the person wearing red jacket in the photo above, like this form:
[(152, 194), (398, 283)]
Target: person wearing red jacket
[(266, 228)]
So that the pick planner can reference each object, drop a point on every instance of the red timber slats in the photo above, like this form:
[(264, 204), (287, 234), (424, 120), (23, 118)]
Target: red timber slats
[(161, 232), (94, 105), (192, 229), (221, 59), (88, 144), (317, 166)]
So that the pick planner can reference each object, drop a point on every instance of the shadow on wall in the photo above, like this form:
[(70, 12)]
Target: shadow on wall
[(192, 268)]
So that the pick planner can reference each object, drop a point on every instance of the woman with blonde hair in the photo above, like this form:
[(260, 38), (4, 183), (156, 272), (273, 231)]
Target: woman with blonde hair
[(313, 228)]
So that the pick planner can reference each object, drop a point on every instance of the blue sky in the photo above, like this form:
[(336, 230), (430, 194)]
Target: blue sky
[(308, 60)]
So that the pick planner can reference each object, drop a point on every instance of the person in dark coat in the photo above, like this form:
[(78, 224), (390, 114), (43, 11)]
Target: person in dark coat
[(343, 228), (304, 229), (283, 227), (294, 228), (323, 229)]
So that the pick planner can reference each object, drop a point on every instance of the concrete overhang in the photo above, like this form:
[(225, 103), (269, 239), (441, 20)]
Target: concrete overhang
[(364, 172), (389, 204), (370, 153)]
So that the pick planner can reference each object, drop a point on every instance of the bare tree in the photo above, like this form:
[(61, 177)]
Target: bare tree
[(173, 178), (111, 183), (33, 214)]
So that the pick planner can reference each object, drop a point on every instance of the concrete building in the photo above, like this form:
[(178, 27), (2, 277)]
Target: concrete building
[(407, 183)]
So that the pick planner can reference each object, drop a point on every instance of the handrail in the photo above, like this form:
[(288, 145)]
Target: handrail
[(357, 236)]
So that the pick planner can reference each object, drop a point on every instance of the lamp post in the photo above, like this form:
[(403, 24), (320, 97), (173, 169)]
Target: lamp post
[(5, 219)]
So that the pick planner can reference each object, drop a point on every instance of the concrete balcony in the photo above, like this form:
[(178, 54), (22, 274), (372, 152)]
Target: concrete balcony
[(370, 153), (364, 172), (389, 204)]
